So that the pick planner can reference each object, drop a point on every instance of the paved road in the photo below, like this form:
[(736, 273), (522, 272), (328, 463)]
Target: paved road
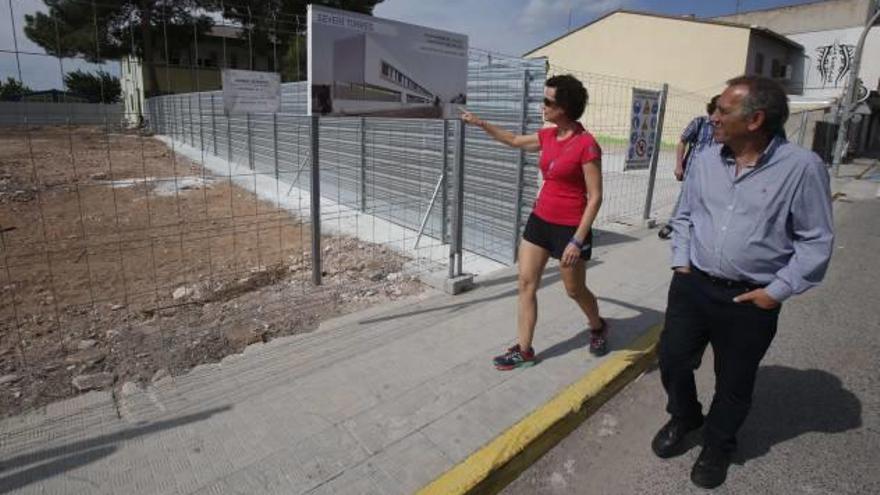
[(815, 423)]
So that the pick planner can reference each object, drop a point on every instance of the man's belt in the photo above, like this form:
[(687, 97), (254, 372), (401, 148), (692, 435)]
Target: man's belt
[(724, 282)]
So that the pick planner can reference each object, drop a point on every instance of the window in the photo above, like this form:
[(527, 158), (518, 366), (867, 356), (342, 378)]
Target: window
[(777, 70), (759, 63)]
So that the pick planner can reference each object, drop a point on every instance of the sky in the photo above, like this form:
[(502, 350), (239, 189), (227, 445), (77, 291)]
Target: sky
[(511, 27), (514, 27)]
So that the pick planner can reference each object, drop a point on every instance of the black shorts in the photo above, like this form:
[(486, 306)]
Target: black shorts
[(554, 237)]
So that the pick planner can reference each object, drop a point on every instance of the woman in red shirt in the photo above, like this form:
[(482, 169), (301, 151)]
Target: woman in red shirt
[(561, 221)]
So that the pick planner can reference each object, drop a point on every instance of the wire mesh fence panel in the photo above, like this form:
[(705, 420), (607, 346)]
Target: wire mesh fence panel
[(294, 98), (507, 92), (39, 113), (681, 108), (128, 252), (151, 235), (801, 125), (608, 117), (239, 135)]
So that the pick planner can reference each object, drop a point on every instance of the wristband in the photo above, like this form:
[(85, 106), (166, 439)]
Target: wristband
[(578, 244)]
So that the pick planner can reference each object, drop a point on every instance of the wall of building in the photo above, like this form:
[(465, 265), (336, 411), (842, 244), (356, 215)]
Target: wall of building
[(185, 79), (348, 59), (817, 16), (828, 56), (131, 81), (775, 56), (693, 56)]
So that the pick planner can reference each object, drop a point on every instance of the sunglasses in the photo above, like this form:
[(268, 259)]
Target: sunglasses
[(550, 103)]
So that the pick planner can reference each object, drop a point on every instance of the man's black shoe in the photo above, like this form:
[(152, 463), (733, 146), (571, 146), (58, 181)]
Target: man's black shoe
[(668, 442), (665, 232), (710, 470)]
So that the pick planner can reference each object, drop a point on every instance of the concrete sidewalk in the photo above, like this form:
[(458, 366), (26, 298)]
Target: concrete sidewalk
[(382, 401), (378, 402), (814, 425)]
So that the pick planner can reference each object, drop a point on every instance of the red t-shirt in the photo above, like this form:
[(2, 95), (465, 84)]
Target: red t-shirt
[(563, 196)]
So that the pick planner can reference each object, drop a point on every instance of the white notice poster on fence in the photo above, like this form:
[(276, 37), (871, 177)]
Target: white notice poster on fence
[(643, 129), (246, 91)]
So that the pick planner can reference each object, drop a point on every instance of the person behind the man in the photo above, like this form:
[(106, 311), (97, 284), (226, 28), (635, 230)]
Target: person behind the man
[(753, 227), (698, 134)]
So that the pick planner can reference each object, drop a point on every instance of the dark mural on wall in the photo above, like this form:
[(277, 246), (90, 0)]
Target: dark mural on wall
[(834, 62)]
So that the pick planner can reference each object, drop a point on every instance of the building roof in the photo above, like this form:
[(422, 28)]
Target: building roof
[(790, 6), (758, 29)]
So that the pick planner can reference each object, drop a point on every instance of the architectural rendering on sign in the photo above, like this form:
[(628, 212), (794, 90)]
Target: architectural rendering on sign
[(361, 65)]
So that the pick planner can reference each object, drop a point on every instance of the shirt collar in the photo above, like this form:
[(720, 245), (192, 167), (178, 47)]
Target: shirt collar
[(777, 141)]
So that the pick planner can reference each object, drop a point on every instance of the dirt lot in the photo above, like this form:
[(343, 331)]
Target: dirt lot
[(122, 261)]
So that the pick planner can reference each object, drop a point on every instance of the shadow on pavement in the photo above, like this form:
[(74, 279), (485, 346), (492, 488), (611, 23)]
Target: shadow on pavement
[(603, 238), (53, 468), (621, 331), (789, 402), (76, 454)]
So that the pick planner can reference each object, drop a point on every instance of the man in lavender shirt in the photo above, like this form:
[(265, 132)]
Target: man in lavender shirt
[(753, 227)]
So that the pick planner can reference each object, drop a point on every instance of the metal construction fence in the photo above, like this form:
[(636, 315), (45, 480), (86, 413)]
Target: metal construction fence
[(801, 125), (399, 169), (50, 113), (133, 253), (147, 239)]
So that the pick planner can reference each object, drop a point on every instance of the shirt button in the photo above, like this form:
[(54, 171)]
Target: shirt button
[(730, 207), (723, 228)]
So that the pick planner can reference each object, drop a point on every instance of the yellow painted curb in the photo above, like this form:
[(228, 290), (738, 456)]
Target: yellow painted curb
[(491, 468)]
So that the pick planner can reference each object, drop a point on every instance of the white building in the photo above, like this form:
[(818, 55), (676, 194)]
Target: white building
[(131, 81), (367, 76), (829, 31)]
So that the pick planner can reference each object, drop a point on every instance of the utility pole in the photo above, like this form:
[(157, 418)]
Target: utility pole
[(570, 8), (846, 106)]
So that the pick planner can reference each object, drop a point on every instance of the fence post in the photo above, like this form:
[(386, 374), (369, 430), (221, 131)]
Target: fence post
[(213, 125), (192, 134), (229, 138), (178, 119), (315, 194), (652, 177), (455, 247), (803, 130), (184, 116), (444, 199), (521, 163), (363, 129), (459, 187), (173, 125), (201, 127), (250, 143), (275, 143)]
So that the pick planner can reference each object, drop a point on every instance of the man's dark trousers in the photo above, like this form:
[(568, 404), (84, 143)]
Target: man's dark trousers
[(701, 311)]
